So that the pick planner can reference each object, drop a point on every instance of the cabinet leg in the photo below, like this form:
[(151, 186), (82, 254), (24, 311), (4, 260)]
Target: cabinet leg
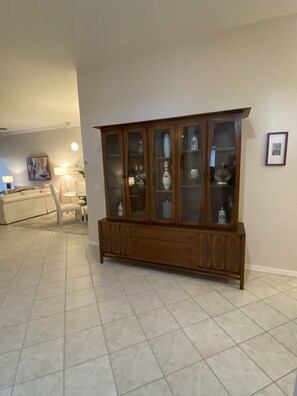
[(100, 253), (241, 285)]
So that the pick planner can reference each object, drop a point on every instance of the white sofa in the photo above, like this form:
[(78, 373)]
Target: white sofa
[(25, 204)]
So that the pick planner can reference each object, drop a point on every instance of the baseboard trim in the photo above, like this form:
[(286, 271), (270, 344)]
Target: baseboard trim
[(96, 243), (270, 270)]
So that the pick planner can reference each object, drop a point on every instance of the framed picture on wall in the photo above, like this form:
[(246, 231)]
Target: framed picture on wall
[(276, 153), (38, 168)]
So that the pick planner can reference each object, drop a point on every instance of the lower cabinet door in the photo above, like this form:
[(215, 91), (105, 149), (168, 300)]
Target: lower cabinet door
[(120, 239), (204, 250), (125, 240), (105, 237), (115, 239), (233, 254), (218, 252)]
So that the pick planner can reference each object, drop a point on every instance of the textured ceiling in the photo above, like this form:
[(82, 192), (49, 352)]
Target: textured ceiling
[(43, 42)]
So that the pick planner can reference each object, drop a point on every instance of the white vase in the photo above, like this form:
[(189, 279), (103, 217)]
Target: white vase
[(166, 178), (166, 145), (194, 143), (167, 209)]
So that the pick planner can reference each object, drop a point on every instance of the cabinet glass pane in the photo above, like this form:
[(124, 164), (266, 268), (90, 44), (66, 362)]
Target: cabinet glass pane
[(162, 174), (114, 175), (191, 168), (222, 172), (136, 175)]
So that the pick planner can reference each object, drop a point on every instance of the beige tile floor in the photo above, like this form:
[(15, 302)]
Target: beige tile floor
[(71, 326)]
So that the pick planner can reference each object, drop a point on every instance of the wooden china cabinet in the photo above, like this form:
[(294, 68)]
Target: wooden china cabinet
[(172, 193)]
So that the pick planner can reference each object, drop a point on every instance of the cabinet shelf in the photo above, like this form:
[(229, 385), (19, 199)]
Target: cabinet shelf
[(191, 151), (224, 149), (191, 185), (192, 219), (113, 156), (214, 185), (163, 191), (135, 155), (163, 158)]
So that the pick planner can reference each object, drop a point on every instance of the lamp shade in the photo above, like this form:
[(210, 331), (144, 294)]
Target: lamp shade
[(131, 181), (7, 179), (60, 171)]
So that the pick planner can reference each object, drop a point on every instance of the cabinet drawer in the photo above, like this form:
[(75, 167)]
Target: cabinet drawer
[(166, 252), (164, 234)]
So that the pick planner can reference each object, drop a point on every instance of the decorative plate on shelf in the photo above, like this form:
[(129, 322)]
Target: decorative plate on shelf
[(194, 175), (222, 176)]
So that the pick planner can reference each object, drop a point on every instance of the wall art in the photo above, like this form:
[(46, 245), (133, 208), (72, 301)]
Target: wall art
[(38, 168), (276, 153)]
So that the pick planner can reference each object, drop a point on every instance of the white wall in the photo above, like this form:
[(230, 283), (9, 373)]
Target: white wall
[(54, 143), (252, 66)]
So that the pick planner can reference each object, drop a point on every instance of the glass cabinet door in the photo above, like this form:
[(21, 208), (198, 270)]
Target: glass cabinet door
[(162, 174), (191, 171), (223, 172), (114, 175), (135, 143)]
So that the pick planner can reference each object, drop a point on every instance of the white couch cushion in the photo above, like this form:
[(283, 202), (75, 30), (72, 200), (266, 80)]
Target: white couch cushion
[(30, 192), (10, 191), (11, 197), (16, 207)]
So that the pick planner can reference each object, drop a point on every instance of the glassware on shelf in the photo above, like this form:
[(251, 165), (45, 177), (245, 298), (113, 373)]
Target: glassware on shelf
[(166, 145), (166, 178), (120, 209), (140, 176), (140, 146), (194, 143), (167, 209), (222, 216), (222, 176), (230, 165), (140, 179), (212, 163)]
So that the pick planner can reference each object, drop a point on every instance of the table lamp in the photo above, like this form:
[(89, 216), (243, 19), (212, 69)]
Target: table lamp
[(8, 180)]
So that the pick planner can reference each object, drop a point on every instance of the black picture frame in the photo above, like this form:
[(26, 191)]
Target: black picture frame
[(276, 152)]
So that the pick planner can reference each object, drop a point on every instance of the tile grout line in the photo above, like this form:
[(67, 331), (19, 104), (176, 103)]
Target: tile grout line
[(103, 332), (64, 343), (171, 331), (147, 341), (28, 321)]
